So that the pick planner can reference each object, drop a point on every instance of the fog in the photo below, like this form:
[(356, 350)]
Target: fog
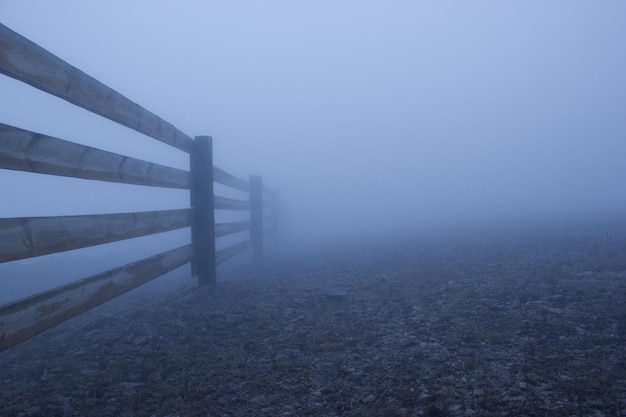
[(372, 118)]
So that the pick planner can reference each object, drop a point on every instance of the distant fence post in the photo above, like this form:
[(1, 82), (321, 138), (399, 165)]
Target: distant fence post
[(203, 228), (275, 214), (256, 215)]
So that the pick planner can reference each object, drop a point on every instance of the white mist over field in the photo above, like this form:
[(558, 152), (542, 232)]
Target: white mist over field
[(372, 118)]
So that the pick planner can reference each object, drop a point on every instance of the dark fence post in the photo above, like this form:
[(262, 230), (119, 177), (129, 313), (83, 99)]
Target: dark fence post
[(256, 215), (203, 230)]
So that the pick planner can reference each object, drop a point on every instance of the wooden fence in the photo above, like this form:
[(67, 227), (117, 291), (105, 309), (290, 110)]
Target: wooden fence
[(27, 237)]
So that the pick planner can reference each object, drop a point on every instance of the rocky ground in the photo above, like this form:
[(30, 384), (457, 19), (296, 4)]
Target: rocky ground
[(532, 326)]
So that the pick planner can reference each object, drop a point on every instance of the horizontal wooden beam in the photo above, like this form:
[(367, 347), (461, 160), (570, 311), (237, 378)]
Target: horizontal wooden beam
[(223, 203), (24, 150), (28, 237), (222, 177), (223, 229), (227, 253), (26, 61), (25, 318)]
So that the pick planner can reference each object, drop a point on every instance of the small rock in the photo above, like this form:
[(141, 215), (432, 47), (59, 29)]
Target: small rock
[(553, 310), (66, 407), (518, 398), (33, 412), (538, 303), (155, 376), (130, 385), (456, 410), (258, 399), (335, 294), (140, 340)]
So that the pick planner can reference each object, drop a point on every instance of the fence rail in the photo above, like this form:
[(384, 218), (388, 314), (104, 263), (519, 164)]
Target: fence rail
[(26, 318), (26, 237), (24, 150), (224, 203), (26, 61), (222, 177), (224, 229)]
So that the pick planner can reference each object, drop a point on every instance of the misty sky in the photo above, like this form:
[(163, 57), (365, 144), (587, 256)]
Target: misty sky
[(366, 114)]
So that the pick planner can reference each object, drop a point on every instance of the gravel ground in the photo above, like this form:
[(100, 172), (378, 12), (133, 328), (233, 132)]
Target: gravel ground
[(531, 326)]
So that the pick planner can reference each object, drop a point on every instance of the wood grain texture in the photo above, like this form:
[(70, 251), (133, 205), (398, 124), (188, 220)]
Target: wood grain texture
[(25, 318), (227, 253), (222, 177), (24, 150), (224, 229), (223, 203), (26, 61), (28, 237)]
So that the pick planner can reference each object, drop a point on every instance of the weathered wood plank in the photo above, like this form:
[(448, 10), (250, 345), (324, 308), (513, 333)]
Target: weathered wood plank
[(222, 177), (28, 237), (223, 229), (223, 203), (26, 61), (25, 318), (24, 150), (227, 253)]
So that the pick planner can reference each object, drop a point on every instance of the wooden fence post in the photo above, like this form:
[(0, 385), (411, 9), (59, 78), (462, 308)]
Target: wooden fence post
[(256, 215), (203, 229), (275, 214)]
